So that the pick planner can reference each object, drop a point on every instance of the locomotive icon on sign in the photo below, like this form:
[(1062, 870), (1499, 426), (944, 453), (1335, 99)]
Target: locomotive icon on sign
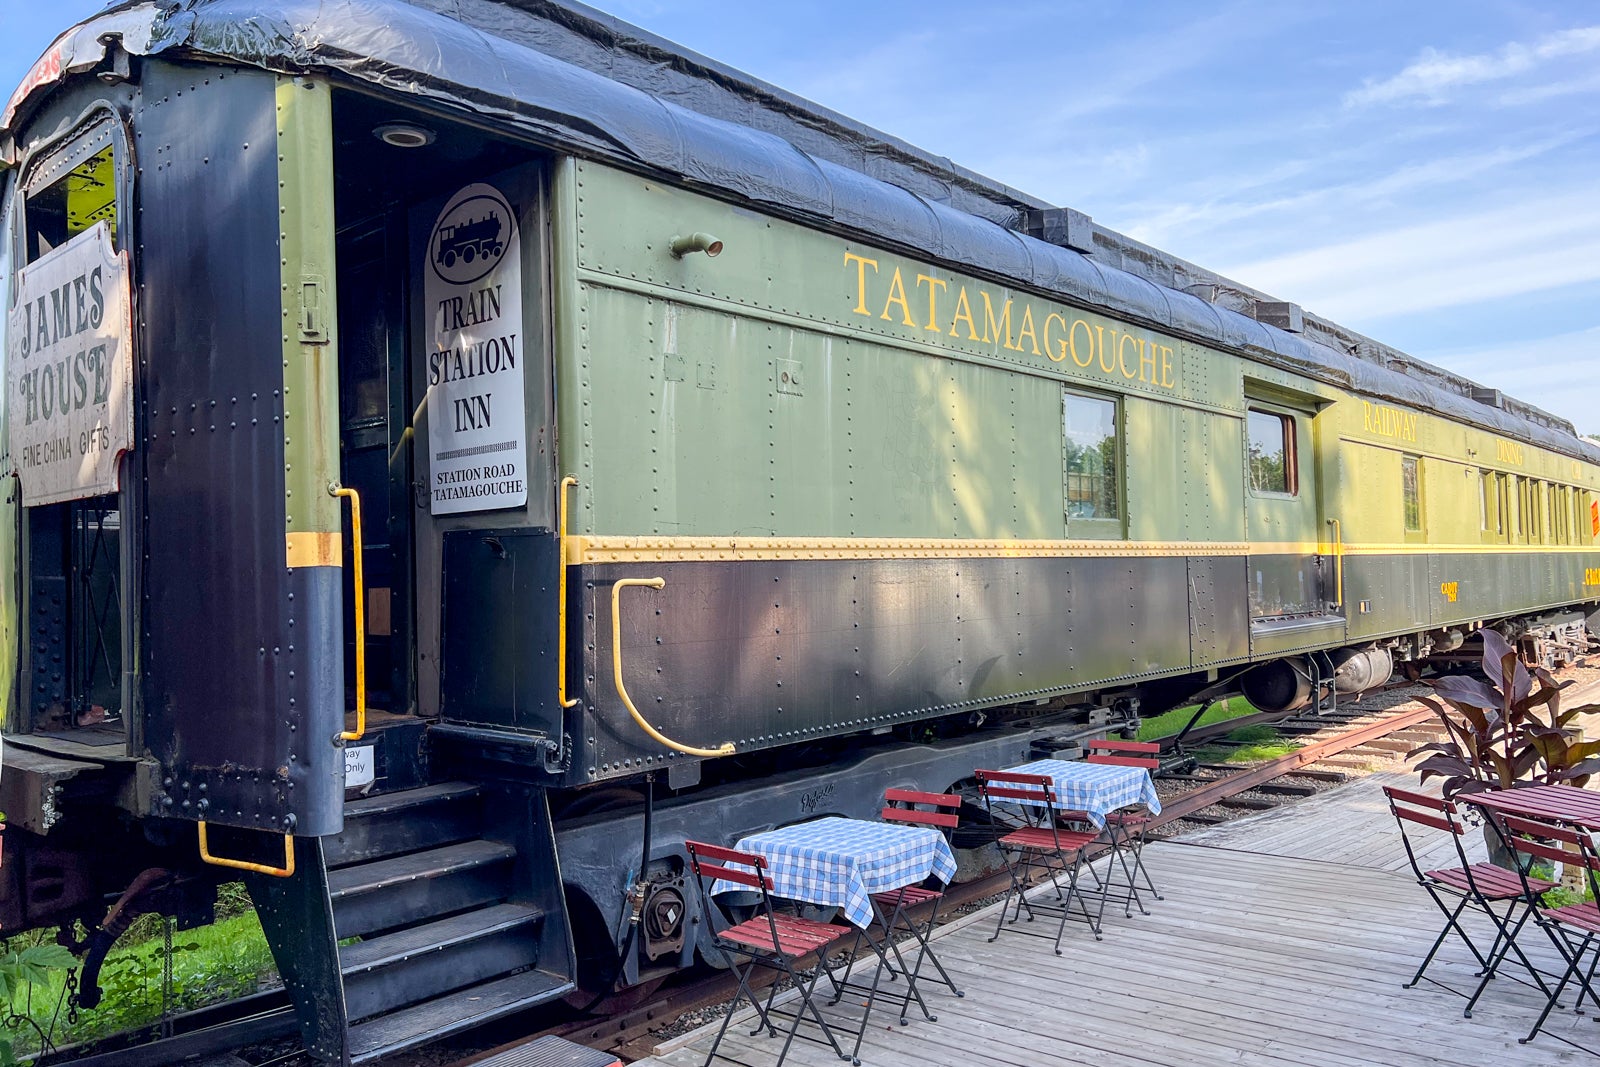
[(471, 235), (469, 240)]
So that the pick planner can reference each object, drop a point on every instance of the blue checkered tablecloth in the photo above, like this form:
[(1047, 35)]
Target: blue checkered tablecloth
[(842, 862), (1095, 788)]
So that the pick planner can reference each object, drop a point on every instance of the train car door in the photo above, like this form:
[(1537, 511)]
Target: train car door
[(445, 396), (1292, 580)]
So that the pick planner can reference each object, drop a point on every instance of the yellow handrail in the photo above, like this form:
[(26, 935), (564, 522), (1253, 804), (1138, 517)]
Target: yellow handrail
[(1338, 563), (616, 663), (286, 871), (361, 612), (561, 591)]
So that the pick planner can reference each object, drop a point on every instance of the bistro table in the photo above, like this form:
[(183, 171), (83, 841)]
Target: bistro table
[(1563, 803), (841, 862), (1096, 789)]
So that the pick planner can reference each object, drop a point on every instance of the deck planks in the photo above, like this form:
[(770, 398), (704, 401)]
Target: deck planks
[(1283, 940)]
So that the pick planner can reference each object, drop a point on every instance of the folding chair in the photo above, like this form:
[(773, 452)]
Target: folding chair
[(894, 906), (1574, 929), (1479, 886), (769, 940), (1038, 846), (1130, 825)]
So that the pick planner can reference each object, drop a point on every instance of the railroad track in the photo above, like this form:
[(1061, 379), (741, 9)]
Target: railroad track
[(631, 1034)]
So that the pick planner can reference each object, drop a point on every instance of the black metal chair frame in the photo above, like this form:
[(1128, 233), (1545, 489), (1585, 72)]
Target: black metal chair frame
[(892, 909), (771, 941), (1573, 929), (1039, 847), (1125, 831), (1477, 891)]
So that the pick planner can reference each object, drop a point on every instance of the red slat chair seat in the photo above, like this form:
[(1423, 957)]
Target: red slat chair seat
[(911, 896), (1042, 839), (1111, 745), (1583, 916), (1494, 883), (796, 937), (1130, 819)]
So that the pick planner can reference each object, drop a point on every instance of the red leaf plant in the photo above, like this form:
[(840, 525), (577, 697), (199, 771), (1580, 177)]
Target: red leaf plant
[(1507, 730)]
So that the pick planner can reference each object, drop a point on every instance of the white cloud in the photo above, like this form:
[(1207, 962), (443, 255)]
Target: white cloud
[(1433, 73), (1542, 241), (1167, 222), (1555, 373)]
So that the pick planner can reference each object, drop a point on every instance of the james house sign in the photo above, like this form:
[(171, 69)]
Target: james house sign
[(69, 364), (477, 449)]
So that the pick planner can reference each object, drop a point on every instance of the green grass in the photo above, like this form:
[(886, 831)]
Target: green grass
[(1259, 743), (227, 959), (1169, 723)]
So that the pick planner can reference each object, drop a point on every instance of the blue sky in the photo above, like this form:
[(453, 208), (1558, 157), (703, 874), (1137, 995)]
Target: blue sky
[(1425, 173)]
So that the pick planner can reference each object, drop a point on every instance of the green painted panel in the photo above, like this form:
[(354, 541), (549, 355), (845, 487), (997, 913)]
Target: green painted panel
[(1215, 485), (905, 484), (1038, 503), (779, 267), (310, 339), (1156, 461)]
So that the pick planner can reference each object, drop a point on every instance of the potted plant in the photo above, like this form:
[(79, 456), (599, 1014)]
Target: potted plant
[(1506, 729)]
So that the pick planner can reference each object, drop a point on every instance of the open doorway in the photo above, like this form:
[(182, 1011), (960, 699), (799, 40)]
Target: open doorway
[(397, 171)]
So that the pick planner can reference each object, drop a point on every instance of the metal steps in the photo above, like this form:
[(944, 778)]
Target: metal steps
[(405, 889), (393, 823), (452, 1014), (448, 940)]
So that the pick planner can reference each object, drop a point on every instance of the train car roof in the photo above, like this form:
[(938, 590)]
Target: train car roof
[(569, 75)]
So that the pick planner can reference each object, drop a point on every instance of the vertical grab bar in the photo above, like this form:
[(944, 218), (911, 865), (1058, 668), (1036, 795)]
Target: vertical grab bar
[(1338, 564), (360, 611), (561, 592)]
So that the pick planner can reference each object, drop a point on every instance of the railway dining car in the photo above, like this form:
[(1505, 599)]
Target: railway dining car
[(453, 458)]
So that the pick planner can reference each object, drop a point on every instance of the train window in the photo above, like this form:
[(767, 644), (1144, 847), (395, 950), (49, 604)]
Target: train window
[(1272, 459), (71, 191), (1411, 491), (1492, 493), (1090, 425)]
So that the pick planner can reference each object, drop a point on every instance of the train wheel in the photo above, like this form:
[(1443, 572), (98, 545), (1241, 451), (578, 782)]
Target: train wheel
[(469, 253), (449, 259)]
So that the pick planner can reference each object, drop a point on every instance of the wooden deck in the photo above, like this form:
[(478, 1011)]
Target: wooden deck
[(1283, 940)]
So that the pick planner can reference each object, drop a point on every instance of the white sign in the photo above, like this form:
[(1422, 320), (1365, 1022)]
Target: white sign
[(69, 370), (358, 767), (477, 445)]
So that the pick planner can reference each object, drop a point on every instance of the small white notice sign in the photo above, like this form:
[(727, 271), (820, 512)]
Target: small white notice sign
[(69, 362), (477, 448), (359, 767)]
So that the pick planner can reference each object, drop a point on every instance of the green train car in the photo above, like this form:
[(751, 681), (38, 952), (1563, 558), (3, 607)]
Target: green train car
[(454, 459)]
